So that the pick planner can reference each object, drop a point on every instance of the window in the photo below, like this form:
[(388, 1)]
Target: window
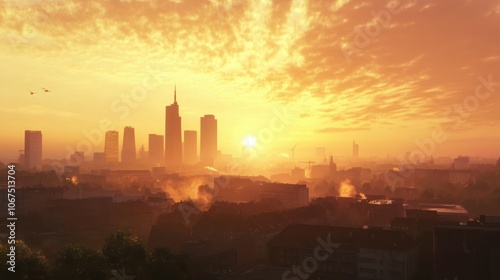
[(367, 260), (367, 270)]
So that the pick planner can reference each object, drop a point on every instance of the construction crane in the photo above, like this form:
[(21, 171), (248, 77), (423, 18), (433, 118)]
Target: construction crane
[(292, 152), (308, 162)]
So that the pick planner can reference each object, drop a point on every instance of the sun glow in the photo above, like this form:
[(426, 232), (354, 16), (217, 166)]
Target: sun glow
[(249, 141)]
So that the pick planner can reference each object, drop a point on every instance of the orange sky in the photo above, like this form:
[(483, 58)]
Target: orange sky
[(382, 73)]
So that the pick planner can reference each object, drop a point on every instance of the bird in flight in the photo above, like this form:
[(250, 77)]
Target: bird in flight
[(46, 90), (32, 92)]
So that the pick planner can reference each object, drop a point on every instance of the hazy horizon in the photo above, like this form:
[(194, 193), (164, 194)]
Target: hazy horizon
[(385, 75)]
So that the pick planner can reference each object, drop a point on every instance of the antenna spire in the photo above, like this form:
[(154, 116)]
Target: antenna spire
[(175, 93)]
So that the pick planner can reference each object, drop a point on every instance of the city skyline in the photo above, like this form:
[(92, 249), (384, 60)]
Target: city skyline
[(237, 139), (334, 89)]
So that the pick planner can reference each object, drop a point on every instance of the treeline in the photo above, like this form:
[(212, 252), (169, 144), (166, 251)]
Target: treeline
[(123, 256)]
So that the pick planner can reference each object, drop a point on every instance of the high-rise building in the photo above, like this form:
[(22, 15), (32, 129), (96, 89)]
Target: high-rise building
[(111, 149), (129, 152), (190, 146), (208, 139), (156, 151), (173, 137), (32, 149), (355, 149)]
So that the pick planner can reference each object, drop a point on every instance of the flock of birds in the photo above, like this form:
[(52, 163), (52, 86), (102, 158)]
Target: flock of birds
[(44, 89)]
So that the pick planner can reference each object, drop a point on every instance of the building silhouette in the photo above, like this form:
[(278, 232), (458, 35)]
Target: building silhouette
[(129, 152), (332, 167), (190, 146), (32, 149), (99, 158), (352, 253), (156, 150), (461, 162), (111, 144), (142, 155), (208, 139), (173, 137), (355, 149)]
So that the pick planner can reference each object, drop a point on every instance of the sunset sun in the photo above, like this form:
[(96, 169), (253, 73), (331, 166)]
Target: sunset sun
[(249, 141)]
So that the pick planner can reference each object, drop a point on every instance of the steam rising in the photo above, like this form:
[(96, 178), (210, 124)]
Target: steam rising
[(190, 189), (346, 189)]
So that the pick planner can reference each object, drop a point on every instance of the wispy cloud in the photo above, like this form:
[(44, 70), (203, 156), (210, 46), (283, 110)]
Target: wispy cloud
[(425, 60)]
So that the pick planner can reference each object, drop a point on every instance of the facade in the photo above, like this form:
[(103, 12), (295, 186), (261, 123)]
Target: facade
[(244, 189), (156, 150), (111, 144), (32, 149), (129, 154), (445, 213), (471, 251), (290, 195), (343, 253), (190, 146), (173, 137), (208, 139), (30, 199)]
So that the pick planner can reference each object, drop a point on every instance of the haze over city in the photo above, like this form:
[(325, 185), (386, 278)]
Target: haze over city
[(240, 139), (242, 60)]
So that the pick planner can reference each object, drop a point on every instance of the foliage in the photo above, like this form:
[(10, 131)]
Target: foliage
[(29, 263), (79, 263), (123, 250)]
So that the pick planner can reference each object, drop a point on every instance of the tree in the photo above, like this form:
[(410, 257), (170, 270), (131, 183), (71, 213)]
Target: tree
[(161, 264), (79, 263), (29, 263), (122, 250)]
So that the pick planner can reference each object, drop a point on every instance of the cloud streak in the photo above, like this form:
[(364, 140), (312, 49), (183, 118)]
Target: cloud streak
[(426, 59)]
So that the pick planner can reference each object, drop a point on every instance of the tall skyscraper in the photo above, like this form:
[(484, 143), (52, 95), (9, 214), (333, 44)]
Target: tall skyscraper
[(190, 146), (355, 149), (156, 151), (173, 137), (111, 143), (32, 149), (208, 139), (129, 152)]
